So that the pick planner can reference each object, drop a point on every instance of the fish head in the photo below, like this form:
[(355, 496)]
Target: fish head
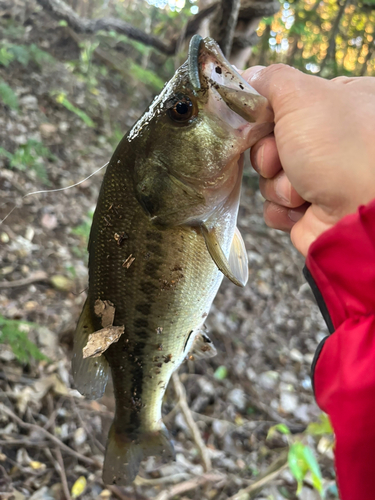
[(191, 140)]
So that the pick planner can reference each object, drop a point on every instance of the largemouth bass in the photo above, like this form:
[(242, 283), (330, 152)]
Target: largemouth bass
[(163, 236)]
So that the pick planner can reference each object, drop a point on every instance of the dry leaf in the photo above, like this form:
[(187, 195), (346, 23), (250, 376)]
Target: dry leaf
[(105, 310), (99, 341), (78, 487)]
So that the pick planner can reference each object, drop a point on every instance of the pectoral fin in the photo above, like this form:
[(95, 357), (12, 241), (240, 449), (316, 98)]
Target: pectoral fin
[(90, 374), (238, 262), (230, 268)]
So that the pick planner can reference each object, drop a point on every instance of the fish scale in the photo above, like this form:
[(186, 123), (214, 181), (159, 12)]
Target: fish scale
[(163, 236)]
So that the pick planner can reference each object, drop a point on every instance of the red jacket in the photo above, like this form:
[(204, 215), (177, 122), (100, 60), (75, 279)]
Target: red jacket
[(342, 264)]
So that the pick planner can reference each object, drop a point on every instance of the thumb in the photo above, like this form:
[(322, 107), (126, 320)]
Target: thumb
[(283, 86)]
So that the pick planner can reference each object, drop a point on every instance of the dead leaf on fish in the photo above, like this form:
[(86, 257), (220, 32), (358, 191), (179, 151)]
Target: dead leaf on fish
[(105, 310), (98, 342)]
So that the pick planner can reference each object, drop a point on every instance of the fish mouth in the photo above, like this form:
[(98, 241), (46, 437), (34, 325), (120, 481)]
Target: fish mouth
[(208, 68)]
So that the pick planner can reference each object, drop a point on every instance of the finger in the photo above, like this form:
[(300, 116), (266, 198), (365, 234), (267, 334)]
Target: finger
[(281, 84), (265, 158), (250, 72), (279, 190), (282, 218)]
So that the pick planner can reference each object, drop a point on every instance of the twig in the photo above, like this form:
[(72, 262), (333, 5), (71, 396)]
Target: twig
[(33, 278), (62, 474), (116, 491), (23, 442), (88, 430), (181, 393), (51, 437), (178, 489), (173, 478), (271, 473)]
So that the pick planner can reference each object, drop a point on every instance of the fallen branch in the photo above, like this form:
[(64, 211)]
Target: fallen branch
[(195, 432), (33, 278), (178, 489), (271, 473), (62, 473), (51, 437), (61, 11)]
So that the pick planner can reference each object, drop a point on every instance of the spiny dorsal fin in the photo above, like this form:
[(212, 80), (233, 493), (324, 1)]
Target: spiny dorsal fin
[(218, 256), (202, 347), (90, 374)]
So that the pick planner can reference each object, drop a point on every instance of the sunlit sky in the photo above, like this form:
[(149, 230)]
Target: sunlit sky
[(174, 5)]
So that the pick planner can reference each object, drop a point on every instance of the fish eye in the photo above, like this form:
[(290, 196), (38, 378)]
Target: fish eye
[(182, 110)]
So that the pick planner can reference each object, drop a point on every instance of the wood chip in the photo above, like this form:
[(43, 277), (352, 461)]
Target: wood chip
[(129, 261), (99, 341)]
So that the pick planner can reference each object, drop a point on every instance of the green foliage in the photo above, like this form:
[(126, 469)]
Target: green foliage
[(7, 96), (302, 460), (146, 76), (282, 428), (320, 428), (61, 99), (221, 373), (6, 57), (24, 54), (30, 156), (328, 38), (83, 229), (14, 333)]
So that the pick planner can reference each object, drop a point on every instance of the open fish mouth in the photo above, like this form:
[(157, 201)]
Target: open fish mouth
[(208, 67)]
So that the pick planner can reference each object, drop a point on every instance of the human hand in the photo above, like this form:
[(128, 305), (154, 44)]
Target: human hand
[(320, 163)]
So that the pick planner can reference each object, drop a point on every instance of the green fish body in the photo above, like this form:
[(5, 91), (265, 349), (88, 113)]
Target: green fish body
[(163, 235)]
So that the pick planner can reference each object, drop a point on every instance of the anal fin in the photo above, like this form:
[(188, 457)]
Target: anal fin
[(202, 347), (91, 374)]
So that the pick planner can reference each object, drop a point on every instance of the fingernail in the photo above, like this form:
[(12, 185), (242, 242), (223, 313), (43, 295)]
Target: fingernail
[(282, 188), (295, 215), (258, 159)]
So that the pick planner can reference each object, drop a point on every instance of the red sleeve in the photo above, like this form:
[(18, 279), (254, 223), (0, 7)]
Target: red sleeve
[(342, 264)]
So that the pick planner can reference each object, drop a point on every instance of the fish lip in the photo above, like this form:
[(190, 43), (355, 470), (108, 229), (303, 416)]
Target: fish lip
[(209, 68)]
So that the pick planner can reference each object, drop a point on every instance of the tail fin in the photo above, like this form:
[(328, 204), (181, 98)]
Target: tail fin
[(124, 454)]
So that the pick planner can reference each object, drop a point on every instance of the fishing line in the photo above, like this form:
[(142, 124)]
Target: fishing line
[(53, 190)]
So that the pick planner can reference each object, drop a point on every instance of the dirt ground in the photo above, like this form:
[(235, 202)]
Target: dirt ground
[(265, 334)]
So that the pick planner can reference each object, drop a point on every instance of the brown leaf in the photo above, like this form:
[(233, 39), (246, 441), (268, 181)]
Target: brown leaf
[(105, 310), (99, 341)]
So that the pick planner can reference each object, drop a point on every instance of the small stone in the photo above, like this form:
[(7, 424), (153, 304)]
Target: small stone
[(268, 380), (29, 102), (288, 402), (251, 374), (80, 436), (206, 386), (289, 378), (4, 238), (220, 428), (49, 221), (47, 129), (238, 398), (296, 355), (308, 358)]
